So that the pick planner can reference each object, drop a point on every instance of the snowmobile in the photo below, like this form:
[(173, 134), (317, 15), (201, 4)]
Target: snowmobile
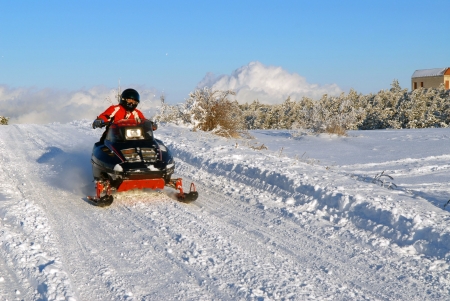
[(129, 157)]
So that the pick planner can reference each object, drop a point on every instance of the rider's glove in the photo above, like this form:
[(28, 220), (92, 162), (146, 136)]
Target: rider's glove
[(154, 126), (98, 123)]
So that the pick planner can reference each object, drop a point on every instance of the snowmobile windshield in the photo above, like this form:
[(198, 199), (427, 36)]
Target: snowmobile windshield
[(126, 130)]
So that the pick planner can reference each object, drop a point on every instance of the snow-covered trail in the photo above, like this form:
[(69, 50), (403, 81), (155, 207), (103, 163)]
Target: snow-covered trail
[(239, 240)]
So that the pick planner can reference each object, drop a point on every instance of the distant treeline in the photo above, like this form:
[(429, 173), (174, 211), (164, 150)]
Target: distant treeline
[(395, 108)]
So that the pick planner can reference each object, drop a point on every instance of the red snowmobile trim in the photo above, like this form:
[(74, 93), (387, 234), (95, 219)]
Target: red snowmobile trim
[(141, 184), (102, 186), (99, 188), (179, 185)]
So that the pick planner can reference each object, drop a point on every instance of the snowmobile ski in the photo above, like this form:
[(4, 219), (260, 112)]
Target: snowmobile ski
[(185, 197), (104, 201)]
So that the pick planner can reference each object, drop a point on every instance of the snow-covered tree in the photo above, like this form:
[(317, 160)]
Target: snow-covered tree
[(393, 108), (381, 109), (421, 110)]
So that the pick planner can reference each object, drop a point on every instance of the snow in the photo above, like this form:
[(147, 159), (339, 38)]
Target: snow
[(322, 217), (429, 72)]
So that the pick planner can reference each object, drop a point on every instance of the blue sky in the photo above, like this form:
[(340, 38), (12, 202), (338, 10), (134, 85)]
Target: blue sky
[(170, 46)]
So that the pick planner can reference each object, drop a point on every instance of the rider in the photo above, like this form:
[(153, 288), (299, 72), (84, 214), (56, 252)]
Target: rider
[(126, 109)]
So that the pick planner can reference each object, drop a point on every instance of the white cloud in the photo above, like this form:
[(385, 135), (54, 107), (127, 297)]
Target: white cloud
[(268, 84), (30, 105)]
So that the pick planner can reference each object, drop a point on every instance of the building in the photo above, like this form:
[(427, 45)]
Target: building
[(431, 78)]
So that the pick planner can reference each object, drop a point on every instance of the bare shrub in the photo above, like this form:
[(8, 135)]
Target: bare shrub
[(258, 147), (380, 179), (212, 111), (207, 110), (4, 120), (336, 129)]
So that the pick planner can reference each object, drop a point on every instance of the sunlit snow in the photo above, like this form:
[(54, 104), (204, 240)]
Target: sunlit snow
[(323, 217)]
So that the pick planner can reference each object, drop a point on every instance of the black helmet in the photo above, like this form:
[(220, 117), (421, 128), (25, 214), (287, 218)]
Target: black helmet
[(129, 94)]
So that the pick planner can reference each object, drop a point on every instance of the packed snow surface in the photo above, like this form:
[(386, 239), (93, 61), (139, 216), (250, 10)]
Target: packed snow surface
[(279, 217)]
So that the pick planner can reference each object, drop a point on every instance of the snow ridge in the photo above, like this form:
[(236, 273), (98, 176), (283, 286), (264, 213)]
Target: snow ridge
[(298, 183)]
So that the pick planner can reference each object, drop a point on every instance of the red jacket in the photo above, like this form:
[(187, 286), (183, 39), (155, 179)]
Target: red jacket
[(119, 113)]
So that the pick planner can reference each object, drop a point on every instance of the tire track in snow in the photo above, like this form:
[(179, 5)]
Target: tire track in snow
[(97, 271), (93, 277), (301, 184), (221, 245), (38, 260), (252, 217), (154, 223)]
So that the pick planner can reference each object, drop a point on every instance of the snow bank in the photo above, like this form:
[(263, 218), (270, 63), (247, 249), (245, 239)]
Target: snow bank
[(402, 218)]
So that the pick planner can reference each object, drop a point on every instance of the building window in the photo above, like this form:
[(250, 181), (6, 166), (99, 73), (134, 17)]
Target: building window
[(415, 85), (421, 84)]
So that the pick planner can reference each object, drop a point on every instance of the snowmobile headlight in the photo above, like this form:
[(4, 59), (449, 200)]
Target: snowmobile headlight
[(134, 133), (130, 154)]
